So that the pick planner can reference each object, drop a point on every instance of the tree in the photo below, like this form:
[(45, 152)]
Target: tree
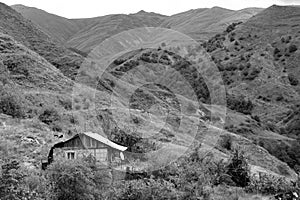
[(238, 170), (49, 116), (293, 80), (11, 103), (239, 104), (293, 48), (75, 180), (10, 182)]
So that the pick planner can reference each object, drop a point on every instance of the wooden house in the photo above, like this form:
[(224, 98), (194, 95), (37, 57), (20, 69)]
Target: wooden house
[(87, 144)]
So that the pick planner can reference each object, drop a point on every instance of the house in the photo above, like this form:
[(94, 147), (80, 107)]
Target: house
[(87, 144)]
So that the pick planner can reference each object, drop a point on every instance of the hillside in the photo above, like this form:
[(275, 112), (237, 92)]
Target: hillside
[(85, 34), (29, 84), (24, 31), (217, 119), (258, 60), (102, 28), (59, 28), (200, 24)]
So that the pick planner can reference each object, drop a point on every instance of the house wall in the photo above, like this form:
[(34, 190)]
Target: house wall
[(101, 155), (84, 146)]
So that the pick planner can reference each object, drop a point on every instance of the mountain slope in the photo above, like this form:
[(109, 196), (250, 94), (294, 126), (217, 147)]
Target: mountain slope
[(26, 74), (201, 24), (85, 34), (107, 26), (59, 28), (15, 25), (259, 62), (259, 59)]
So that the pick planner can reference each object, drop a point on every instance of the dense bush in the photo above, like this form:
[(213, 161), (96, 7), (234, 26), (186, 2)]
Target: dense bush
[(49, 116), (76, 180), (16, 67), (293, 80), (226, 142), (276, 51), (238, 170), (17, 183), (239, 104), (146, 189), (292, 48), (132, 140), (11, 104), (267, 185)]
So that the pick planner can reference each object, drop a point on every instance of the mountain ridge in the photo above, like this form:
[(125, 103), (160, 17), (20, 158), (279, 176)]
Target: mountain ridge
[(86, 36)]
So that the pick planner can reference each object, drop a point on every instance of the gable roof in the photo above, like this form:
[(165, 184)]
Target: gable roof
[(104, 140)]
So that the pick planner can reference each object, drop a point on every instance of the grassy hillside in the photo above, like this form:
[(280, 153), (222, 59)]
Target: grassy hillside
[(200, 24), (24, 31), (59, 28), (85, 34), (258, 60), (104, 27)]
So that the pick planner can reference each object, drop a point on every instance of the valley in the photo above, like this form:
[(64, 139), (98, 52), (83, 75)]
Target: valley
[(206, 101)]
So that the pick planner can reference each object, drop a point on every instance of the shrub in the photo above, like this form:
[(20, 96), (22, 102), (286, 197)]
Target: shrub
[(76, 179), (144, 189), (119, 61), (238, 170), (49, 116), (14, 65), (226, 142), (269, 185), (293, 80), (256, 118), (292, 48), (11, 104), (276, 51), (17, 183), (239, 104)]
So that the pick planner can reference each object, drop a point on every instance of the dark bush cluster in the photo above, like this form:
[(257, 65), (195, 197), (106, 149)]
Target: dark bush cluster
[(226, 142), (16, 67), (214, 43), (293, 48), (49, 116), (293, 79), (11, 104), (133, 141), (232, 27), (239, 104), (249, 73)]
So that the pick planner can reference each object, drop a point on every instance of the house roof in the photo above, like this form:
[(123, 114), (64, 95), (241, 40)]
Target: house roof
[(104, 140)]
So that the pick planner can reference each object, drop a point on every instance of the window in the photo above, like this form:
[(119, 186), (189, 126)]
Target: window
[(70, 155)]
